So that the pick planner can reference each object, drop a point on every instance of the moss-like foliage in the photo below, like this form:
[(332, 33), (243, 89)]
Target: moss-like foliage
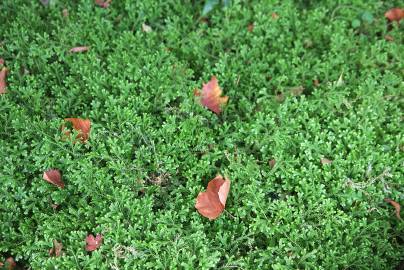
[(152, 148)]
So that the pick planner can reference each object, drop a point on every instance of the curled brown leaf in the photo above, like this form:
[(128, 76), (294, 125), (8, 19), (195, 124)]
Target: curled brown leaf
[(396, 205), (56, 250), (210, 96), (79, 49), (54, 177), (83, 126), (394, 14), (92, 243), (3, 82), (212, 202)]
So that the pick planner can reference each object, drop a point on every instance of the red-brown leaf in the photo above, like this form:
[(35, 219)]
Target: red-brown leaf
[(211, 96), (83, 126), (3, 83), (1, 61), (212, 202), (103, 3), (54, 177), (272, 163), (56, 250), (394, 14), (92, 243), (79, 49), (250, 27), (396, 205), (9, 264)]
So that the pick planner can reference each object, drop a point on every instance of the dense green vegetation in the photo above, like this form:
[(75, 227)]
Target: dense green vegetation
[(153, 148)]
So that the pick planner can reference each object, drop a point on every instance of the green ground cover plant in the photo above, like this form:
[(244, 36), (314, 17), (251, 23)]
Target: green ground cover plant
[(306, 80)]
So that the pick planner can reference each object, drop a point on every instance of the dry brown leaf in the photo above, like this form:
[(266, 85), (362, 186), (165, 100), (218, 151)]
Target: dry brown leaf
[(394, 14), (316, 83), (272, 163), (79, 49), (279, 97), (9, 264), (3, 80), (250, 27), (325, 161), (146, 28), (56, 250), (54, 177), (396, 205), (297, 91), (92, 243), (1, 61), (274, 16), (210, 96), (65, 12), (103, 3), (83, 126), (212, 202)]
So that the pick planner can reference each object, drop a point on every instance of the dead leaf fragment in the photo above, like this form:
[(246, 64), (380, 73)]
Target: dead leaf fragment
[(1, 62), (388, 38), (54, 177), (272, 163), (297, 91), (316, 83), (103, 3), (274, 16), (396, 205), (79, 49), (394, 14), (92, 243), (325, 161), (211, 96), (83, 126), (146, 28), (3, 82), (279, 97), (250, 27), (56, 250), (65, 12), (212, 202), (9, 264)]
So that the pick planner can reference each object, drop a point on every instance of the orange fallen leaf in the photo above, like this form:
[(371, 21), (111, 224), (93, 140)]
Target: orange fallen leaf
[(9, 264), (3, 82), (54, 177), (325, 161), (79, 49), (211, 96), (83, 126), (92, 243), (396, 205), (212, 202), (103, 3), (56, 250), (394, 14)]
